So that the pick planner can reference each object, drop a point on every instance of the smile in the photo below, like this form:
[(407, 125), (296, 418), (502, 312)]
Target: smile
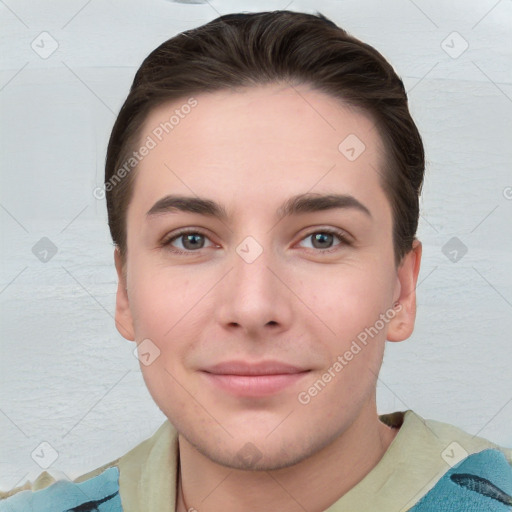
[(253, 385)]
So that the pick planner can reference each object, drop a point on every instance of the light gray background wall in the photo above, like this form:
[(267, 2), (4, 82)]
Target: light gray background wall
[(70, 380)]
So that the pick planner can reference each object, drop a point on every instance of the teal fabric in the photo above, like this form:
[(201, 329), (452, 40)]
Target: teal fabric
[(480, 482), (98, 494)]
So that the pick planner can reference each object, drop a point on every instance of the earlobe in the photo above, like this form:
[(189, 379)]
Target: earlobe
[(123, 316), (402, 325)]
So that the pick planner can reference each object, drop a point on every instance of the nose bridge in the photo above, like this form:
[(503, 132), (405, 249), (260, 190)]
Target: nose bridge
[(251, 275), (252, 296)]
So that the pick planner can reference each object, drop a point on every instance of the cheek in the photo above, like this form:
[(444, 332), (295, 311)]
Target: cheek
[(354, 352), (162, 313), (352, 300), (171, 308), (158, 299)]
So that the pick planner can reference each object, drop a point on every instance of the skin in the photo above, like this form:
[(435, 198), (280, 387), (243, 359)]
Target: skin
[(251, 150)]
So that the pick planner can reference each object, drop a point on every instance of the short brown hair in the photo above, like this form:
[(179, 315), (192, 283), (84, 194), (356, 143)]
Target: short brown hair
[(249, 49)]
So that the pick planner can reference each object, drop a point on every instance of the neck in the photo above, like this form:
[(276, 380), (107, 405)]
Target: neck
[(206, 486)]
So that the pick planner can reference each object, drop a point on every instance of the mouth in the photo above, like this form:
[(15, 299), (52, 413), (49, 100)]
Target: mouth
[(240, 378)]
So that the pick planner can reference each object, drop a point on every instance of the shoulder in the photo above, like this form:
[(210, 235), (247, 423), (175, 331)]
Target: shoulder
[(100, 489), (479, 481), (428, 439), (473, 473), (97, 491), (43, 480), (458, 444)]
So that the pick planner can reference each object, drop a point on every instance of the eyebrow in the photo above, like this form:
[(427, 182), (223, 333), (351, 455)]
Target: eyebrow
[(302, 203)]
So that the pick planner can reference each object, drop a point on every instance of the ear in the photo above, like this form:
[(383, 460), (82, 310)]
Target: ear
[(402, 325), (123, 317)]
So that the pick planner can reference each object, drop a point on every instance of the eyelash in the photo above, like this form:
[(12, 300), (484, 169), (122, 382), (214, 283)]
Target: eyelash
[(166, 242)]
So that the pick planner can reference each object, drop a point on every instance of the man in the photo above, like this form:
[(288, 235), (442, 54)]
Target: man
[(262, 184)]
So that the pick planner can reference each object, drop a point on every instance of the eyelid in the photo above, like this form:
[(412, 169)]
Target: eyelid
[(345, 238), (342, 233), (166, 241)]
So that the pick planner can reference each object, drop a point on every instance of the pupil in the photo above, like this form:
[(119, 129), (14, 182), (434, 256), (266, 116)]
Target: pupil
[(322, 237), (189, 238)]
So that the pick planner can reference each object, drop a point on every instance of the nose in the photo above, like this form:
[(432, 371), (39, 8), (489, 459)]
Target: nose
[(254, 296)]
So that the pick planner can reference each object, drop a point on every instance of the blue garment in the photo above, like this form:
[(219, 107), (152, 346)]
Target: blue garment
[(481, 482), (98, 494)]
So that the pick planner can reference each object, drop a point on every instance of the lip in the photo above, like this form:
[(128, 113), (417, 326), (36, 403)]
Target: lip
[(253, 369), (242, 378)]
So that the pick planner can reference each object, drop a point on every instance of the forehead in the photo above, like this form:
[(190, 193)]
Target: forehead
[(259, 145)]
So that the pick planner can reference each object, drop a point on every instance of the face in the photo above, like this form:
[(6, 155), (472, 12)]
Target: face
[(264, 327)]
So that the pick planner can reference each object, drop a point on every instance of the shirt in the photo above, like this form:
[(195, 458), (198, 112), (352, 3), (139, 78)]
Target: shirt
[(429, 466)]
